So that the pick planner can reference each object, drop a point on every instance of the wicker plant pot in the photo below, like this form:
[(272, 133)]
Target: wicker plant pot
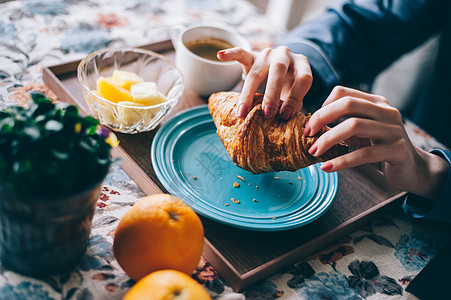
[(45, 235)]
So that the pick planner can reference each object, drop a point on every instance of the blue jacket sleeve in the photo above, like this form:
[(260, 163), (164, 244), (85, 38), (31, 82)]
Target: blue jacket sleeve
[(352, 41), (421, 208)]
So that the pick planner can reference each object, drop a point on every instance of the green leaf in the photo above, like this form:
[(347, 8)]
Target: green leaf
[(60, 155), (53, 125), (32, 132), (7, 124), (38, 97)]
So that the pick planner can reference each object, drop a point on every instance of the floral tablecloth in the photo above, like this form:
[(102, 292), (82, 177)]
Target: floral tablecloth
[(376, 262)]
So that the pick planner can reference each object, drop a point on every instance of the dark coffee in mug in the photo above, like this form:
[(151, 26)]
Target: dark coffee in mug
[(207, 48)]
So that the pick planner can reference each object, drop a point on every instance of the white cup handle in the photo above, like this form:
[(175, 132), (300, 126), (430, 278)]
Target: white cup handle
[(175, 34)]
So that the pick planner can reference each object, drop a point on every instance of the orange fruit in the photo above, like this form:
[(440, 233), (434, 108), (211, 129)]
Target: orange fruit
[(167, 284), (158, 232), (110, 91)]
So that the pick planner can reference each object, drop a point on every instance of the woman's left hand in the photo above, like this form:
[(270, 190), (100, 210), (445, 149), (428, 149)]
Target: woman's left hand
[(376, 130)]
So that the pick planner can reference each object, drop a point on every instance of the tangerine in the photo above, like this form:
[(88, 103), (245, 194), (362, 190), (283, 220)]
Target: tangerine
[(158, 232), (167, 284)]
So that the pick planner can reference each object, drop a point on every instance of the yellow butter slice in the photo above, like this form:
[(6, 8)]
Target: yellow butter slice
[(147, 93), (125, 79), (131, 115)]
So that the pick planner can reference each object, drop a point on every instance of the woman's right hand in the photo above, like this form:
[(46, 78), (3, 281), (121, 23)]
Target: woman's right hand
[(288, 75)]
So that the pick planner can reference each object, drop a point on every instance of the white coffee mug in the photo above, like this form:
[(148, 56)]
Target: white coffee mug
[(205, 76)]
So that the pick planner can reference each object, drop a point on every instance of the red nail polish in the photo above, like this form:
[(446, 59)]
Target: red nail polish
[(327, 166), (286, 113), (242, 112), (313, 149), (270, 112), (307, 129), (221, 52)]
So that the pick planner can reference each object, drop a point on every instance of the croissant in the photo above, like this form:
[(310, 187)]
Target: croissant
[(259, 144)]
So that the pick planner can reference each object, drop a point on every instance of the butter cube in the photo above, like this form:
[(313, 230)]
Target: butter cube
[(125, 79), (146, 93)]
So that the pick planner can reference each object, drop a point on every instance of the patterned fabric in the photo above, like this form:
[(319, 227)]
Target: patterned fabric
[(376, 262)]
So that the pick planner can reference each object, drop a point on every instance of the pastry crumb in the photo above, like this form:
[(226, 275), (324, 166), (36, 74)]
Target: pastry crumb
[(194, 177), (285, 200), (227, 204), (299, 178), (217, 173), (220, 178), (273, 218), (256, 186), (276, 177), (235, 201), (240, 177), (249, 183), (255, 200), (236, 185)]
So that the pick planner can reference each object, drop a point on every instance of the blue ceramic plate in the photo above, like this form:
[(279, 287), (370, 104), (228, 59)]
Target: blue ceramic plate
[(192, 164)]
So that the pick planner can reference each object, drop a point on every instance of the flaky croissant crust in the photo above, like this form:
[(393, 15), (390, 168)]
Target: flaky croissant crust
[(259, 144)]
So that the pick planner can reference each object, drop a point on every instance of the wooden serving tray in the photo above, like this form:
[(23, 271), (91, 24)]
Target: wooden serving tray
[(244, 257)]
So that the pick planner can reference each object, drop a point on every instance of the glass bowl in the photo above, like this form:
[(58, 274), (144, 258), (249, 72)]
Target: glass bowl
[(146, 64)]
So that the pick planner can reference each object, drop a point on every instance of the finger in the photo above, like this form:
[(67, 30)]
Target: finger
[(340, 92), (256, 75), (303, 80), (367, 155), (376, 132), (240, 55), (348, 107), (277, 74)]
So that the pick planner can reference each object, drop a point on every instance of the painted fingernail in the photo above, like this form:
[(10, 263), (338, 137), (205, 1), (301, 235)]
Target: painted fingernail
[(242, 111), (286, 113), (269, 112), (307, 129), (220, 53), (327, 166), (313, 149)]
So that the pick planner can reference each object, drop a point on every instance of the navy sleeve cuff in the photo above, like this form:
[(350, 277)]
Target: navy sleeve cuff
[(421, 208), (318, 61)]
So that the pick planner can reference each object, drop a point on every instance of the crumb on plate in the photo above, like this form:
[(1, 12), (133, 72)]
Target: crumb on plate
[(240, 177)]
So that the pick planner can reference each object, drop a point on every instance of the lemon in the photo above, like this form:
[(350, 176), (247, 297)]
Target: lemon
[(107, 88), (125, 79), (147, 93)]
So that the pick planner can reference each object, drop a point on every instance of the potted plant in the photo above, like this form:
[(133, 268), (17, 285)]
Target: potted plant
[(52, 165)]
